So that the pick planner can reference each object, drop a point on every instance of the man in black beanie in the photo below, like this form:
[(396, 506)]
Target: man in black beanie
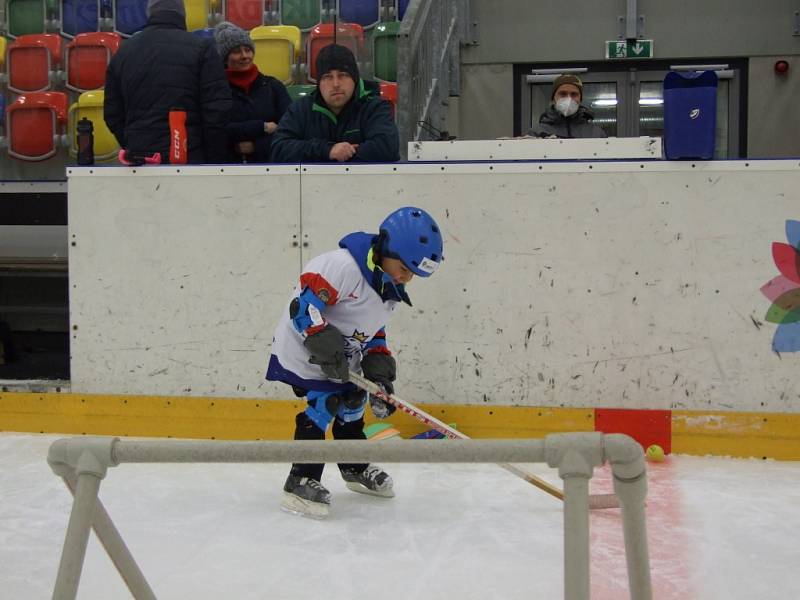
[(344, 119), (161, 68)]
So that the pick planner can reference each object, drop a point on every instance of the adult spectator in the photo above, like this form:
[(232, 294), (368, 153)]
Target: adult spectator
[(344, 119), (259, 101), (567, 117), (163, 68)]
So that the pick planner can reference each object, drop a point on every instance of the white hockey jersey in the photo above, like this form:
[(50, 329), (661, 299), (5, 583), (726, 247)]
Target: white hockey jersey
[(353, 306)]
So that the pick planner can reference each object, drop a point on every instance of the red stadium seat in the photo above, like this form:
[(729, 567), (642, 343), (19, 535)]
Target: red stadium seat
[(247, 14), (389, 93), (34, 125), (87, 58), (347, 34), (33, 62)]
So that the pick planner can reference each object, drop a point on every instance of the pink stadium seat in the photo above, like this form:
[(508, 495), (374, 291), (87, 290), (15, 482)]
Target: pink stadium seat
[(87, 58), (34, 124), (347, 34), (33, 61)]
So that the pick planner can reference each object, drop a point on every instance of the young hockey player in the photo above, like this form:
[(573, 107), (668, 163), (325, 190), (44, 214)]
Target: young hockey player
[(333, 323)]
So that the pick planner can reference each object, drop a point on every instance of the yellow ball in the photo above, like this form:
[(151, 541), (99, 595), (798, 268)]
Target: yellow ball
[(655, 453)]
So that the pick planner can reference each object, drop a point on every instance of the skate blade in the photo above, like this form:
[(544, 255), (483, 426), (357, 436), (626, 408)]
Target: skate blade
[(362, 489), (304, 508)]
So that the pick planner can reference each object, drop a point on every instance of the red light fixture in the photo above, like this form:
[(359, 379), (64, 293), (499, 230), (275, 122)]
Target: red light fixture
[(781, 67)]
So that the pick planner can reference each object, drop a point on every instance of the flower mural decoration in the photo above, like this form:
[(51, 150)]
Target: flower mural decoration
[(784, 291)]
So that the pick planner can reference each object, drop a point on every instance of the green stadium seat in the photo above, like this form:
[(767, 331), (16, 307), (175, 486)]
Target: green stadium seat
[(384, 50)]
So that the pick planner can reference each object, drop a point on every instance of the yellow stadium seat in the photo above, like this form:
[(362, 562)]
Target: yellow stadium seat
[(90, 105), (196, 14), (2, 54), (277, 47)]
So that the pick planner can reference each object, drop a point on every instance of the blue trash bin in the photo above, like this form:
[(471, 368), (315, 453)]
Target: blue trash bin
[(690, 114)]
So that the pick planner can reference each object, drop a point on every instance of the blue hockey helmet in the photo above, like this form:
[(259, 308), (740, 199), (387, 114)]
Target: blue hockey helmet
[(411, 235)]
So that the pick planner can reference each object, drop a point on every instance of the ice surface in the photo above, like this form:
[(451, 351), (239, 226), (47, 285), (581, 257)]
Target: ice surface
[(718, 529)]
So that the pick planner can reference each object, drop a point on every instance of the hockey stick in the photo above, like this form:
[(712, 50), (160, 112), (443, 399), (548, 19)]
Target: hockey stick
[(595, 501)]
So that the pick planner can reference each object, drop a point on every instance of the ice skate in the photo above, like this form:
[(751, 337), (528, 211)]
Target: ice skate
[(306, 497), (372, 480)]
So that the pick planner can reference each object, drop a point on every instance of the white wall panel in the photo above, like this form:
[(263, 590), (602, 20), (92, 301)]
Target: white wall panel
[(617, 284), (176, 280), (599, 284)]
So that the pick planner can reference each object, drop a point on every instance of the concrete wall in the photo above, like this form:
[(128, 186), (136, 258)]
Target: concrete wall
[(519, 31), (617, 284)]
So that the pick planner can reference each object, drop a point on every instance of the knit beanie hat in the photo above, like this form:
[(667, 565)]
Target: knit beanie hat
[(336, 57), (154, 6), (229, 37), (566, 78)]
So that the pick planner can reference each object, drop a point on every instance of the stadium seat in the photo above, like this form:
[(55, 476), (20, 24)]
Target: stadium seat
[(26, 17), (87, 58), (347, 34), (196, 14), (3, 45), (206, 32), (303, 14), (33, 62), (79, 16), (90, 106), (34, 125), (389, 93), (402, 5), (277, 49), (384, 51), (129, 16), (298, 91), (247, 14), (366, 13)]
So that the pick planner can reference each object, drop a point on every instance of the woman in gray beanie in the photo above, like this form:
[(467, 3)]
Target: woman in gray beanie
[(259, 101)]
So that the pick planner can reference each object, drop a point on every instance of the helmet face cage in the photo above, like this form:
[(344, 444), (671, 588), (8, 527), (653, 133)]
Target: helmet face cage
[(412, 236)]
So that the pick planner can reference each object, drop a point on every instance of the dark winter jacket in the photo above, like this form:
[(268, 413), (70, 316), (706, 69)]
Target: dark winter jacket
[(266, 102), (308, 130), (578, 125), (161, 68)]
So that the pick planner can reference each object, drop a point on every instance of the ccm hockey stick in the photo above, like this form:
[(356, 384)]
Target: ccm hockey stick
[(595, 500)]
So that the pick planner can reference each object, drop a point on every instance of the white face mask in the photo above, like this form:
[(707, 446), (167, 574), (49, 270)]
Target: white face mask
[(567, 106)]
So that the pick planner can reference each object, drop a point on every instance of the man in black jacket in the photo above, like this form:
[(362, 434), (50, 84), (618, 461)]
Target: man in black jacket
[(163, 68), (344, 119)]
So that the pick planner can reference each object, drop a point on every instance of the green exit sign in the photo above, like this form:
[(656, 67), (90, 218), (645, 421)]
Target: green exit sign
[(629, 49)]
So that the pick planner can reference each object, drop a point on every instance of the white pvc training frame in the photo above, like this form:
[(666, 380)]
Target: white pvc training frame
[(83, 463)]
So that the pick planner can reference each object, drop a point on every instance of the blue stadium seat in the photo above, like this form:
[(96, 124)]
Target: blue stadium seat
[(79, 16), (129, 16), (366, 13), (402, 5), (207, 33)]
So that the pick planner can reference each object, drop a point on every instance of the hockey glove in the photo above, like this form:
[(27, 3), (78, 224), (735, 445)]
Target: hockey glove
[(327, 350), (380, 408), (382, 369)]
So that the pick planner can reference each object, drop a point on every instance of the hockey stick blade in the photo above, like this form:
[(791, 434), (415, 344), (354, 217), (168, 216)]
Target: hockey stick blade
[(595, 501)]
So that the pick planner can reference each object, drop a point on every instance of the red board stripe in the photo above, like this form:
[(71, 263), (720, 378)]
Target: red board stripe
[(645, 426)]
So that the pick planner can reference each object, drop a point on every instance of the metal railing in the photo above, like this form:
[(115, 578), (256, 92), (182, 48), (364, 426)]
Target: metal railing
[(428, 68), (83, 462)]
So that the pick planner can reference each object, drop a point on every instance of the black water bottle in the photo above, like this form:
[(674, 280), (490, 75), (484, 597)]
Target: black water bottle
[(85, 142)]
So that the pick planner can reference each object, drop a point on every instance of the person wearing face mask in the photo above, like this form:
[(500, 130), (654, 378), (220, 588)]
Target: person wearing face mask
[(567, 117), (259, 101)]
